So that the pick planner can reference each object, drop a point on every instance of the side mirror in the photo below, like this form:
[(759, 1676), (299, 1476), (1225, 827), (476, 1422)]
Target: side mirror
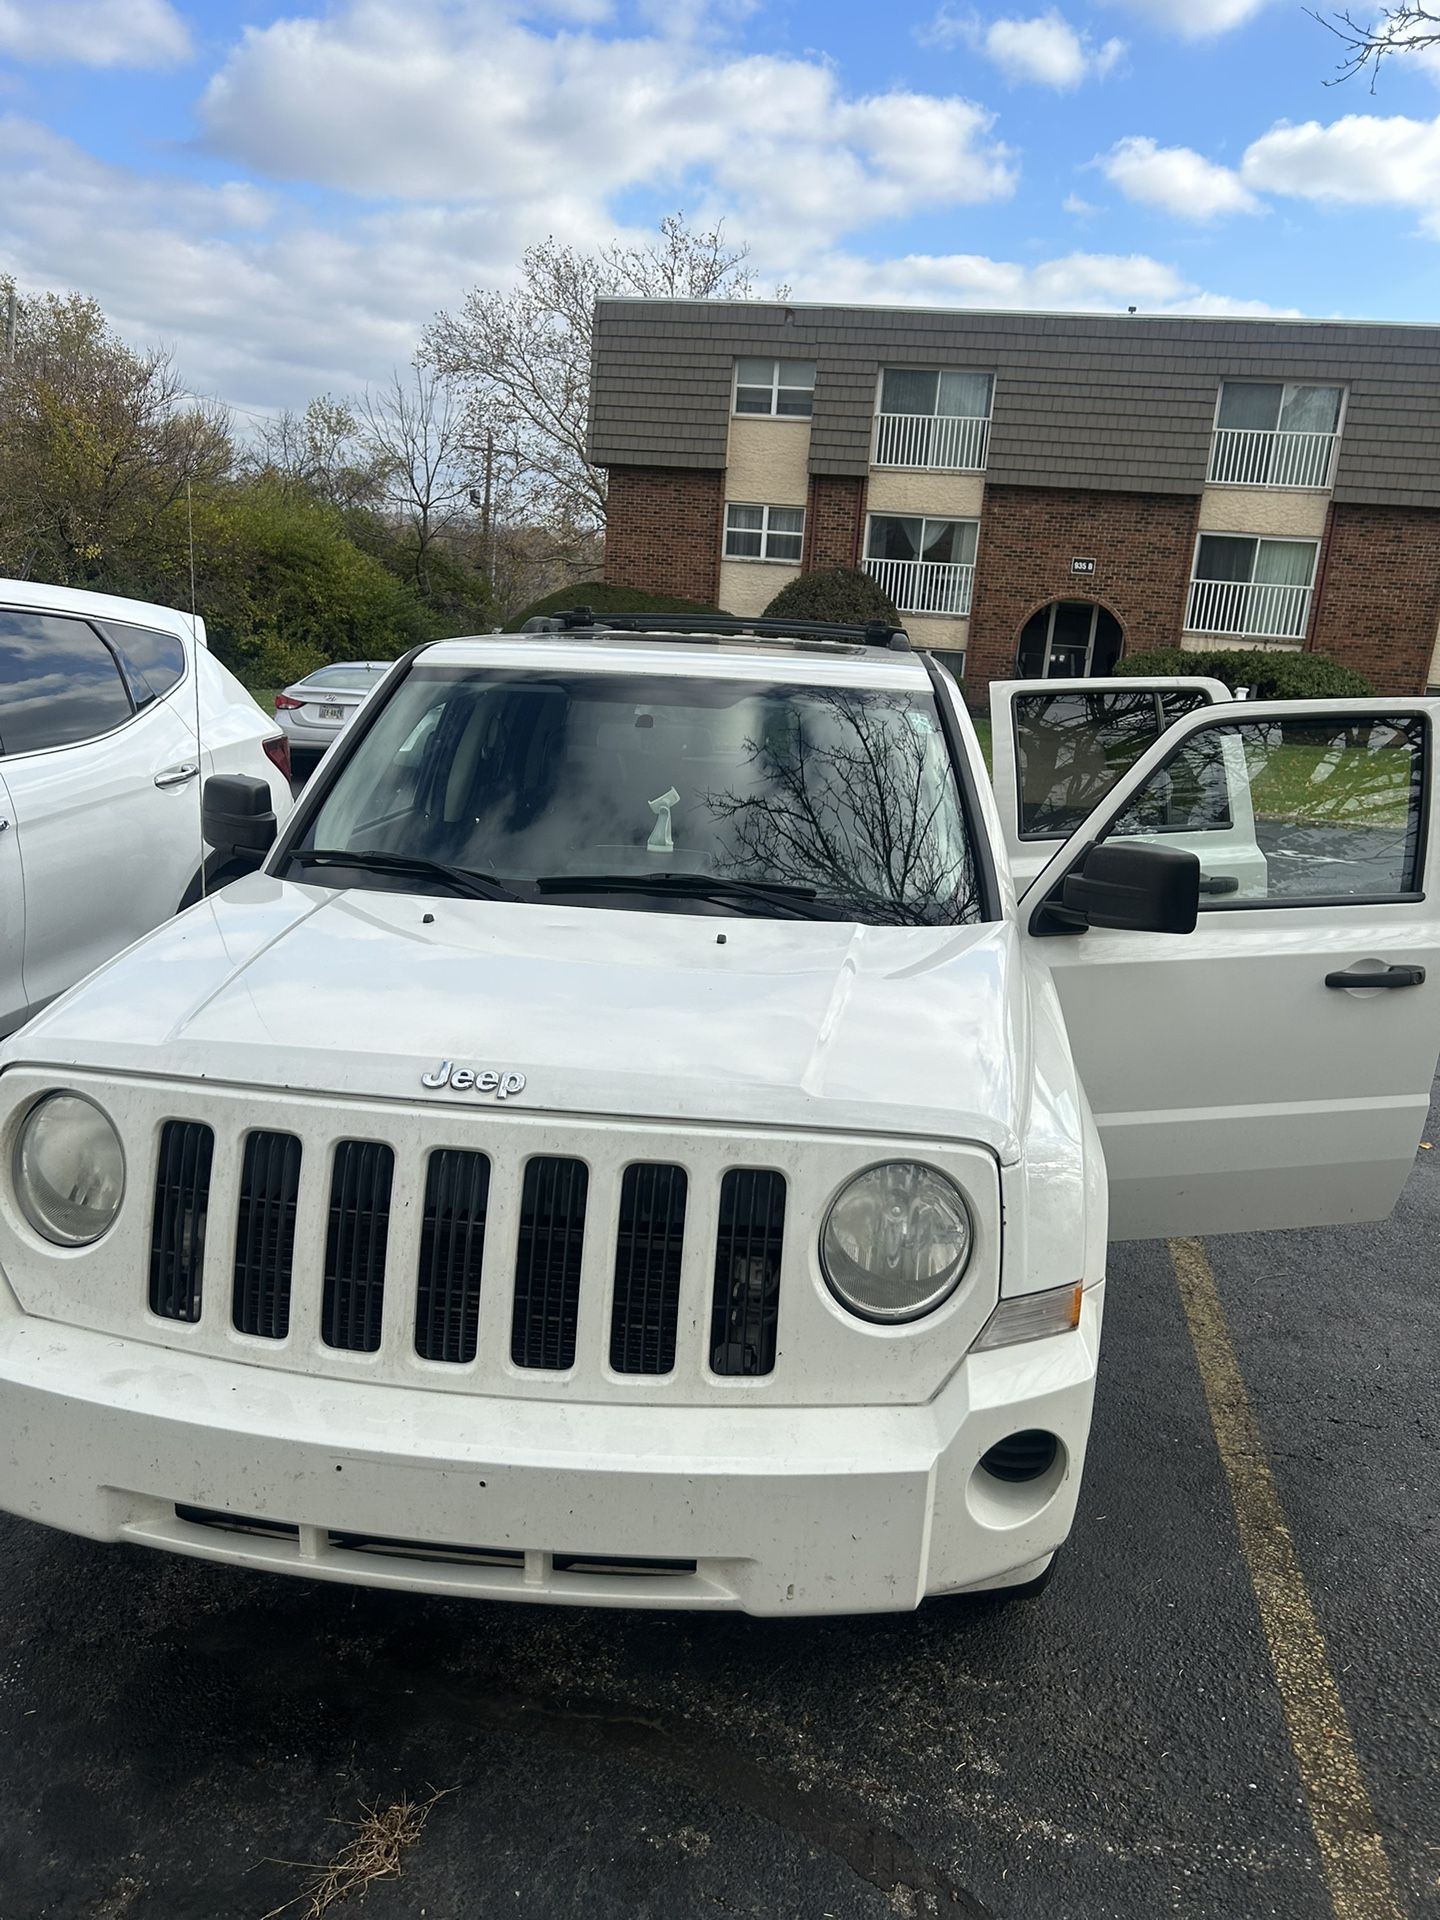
[(237, 814), (1135, 888)]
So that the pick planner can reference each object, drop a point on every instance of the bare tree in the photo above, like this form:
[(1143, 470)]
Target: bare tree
[(1405, 28), (320, 453), (522, 359), (856, 812), (413, 432)]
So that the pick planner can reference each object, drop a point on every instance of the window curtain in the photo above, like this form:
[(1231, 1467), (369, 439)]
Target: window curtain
[(966, 395), (1284, 563), (1310, 410), (891, 538)]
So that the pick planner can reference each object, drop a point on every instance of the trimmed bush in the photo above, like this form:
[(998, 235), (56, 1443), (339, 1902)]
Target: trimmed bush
[(603, 596), (1269, 675), (842, 594)]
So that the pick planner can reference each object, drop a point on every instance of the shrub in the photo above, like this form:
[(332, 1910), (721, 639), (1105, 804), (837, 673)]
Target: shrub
[(843, 594), (603, 596), (1270, 675)]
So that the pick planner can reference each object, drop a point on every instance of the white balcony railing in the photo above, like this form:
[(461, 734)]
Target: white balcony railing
[(955, 442), (1245, 457), (1250, 609), (925, 586)]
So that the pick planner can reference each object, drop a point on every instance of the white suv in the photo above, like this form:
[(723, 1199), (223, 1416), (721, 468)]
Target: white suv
[(100, 778), (633, 1143)]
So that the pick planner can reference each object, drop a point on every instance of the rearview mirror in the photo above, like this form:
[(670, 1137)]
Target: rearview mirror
[(237, 814), (1135, 888)]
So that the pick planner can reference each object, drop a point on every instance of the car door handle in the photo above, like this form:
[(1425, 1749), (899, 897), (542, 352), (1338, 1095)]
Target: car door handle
[(177, 776), (1377, 977)]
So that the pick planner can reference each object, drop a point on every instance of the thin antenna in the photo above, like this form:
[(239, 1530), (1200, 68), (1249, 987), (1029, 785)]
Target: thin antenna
[(195, 675)]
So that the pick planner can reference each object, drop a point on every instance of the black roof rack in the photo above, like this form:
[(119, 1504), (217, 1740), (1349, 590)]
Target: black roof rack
[(872, 633)]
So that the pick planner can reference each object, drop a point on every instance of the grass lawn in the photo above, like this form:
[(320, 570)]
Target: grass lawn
[(1331, 786)]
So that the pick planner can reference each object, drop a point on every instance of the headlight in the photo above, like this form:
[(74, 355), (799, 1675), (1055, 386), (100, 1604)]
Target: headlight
[(69, 1170), (896, 1242)]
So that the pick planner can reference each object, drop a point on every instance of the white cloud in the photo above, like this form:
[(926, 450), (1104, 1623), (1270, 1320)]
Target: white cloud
[(1043, 49), (94, 33), (1084, 282), (1177, 179), (1363, 159), (427, 102), (1048, 51), (1082, 209), (1196, 19), (265, 307)]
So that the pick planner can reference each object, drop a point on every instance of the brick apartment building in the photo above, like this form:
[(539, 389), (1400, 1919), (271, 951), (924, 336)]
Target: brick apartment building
[(1038, 493)]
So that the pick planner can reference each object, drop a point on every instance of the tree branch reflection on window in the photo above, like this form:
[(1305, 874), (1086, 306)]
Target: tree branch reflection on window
[(862, 807)]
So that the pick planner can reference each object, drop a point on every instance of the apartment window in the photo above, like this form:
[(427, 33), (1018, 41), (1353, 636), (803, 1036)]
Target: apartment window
[(933, 418), (926, 566), (1252, 587), (784, 389), (764, 533), (1270, 433)]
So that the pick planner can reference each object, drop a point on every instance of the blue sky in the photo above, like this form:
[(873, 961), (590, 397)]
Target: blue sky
[(284, 194)]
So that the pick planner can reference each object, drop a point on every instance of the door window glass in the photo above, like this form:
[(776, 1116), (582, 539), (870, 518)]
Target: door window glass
[(1327, 808), (59, 683), (1071, 748), (154, 662)]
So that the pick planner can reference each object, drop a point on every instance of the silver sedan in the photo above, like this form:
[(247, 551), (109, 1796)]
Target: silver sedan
[(315, 709)]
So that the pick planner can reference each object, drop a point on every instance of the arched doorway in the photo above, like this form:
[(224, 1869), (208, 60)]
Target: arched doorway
[(1068, 640)]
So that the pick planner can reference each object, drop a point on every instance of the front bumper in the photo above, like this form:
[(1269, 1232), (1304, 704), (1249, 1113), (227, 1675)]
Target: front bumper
[(767, 1510)]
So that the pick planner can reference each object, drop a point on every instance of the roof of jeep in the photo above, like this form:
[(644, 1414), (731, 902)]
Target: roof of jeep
[(690, 655)]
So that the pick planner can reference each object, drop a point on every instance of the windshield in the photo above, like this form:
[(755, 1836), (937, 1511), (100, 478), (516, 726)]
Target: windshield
[(353, 674), (536, 776)]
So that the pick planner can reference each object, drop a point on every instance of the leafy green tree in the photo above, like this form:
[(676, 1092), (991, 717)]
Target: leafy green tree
[(98, 445)]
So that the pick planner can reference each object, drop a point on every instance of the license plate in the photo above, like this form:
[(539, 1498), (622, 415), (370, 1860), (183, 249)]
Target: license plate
[(332, 713)]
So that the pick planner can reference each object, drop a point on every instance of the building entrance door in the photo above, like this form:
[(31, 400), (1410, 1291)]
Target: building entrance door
[(1068, 640)]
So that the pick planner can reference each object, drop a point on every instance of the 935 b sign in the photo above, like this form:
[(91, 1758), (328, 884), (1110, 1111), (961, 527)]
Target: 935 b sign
[(1082, 566)]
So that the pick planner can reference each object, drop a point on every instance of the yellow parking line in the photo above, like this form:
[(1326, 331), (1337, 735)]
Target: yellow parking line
[(1352, 1854)]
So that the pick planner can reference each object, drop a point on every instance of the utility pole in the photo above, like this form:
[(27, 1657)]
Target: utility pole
[(490, 500)]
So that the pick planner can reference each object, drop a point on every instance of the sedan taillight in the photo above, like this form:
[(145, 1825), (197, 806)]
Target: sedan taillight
[(284, 704), (277, 750)]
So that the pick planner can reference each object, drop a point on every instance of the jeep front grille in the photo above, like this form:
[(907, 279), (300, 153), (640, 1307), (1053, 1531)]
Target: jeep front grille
[(177, 1230), (552, 1212), (745, 1309), (355, 1239), (648, 1248), (265, 1234), (547, 1265), (452, 1250)]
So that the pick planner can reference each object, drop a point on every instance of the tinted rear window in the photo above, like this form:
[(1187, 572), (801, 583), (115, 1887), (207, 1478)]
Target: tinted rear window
[(1071, 748), (153, 661), (59, 683)]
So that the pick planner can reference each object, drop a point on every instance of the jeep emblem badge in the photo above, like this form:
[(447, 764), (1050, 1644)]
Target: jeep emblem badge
[(504, 1086)]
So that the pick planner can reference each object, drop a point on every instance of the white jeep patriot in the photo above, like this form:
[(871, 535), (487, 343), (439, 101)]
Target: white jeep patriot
[(629, 1143)]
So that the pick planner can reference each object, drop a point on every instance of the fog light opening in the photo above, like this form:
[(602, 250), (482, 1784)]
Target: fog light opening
[(1021, 1456)]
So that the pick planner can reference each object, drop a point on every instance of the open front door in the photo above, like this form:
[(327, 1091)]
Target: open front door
[(1057, 748), (1272, 1068)]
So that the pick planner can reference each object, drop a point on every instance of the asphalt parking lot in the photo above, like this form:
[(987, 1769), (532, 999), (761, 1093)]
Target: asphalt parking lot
[(171, 1733)]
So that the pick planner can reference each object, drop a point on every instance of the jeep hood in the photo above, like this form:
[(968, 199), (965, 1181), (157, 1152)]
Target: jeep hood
[(787, 1023)]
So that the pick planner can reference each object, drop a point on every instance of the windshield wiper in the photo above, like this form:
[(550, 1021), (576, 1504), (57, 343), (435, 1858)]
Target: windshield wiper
[(800, 901), (479, 886)]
